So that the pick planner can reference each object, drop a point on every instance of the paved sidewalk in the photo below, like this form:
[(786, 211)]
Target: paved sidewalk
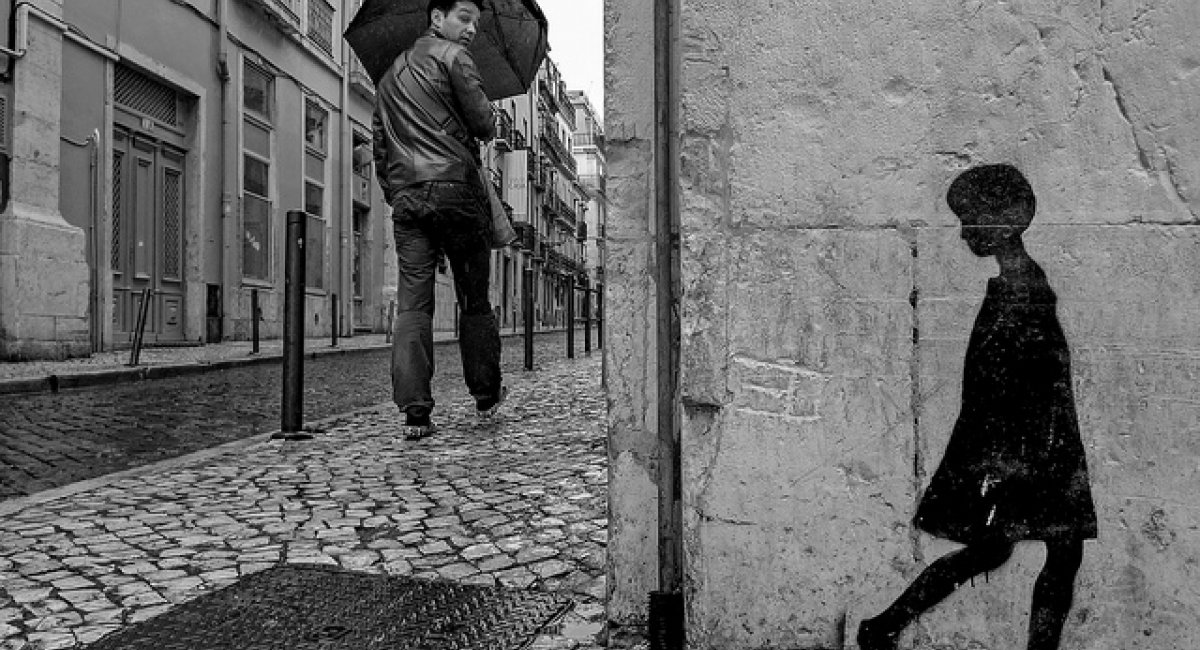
[(112, 366), (521, 502)]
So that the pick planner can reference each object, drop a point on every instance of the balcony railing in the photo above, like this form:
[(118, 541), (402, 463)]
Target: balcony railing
[(590, 140), (593, 182), (497, 179), (504, 132)]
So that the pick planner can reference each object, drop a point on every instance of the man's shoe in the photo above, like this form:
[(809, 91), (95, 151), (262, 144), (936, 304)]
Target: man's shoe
[(871, 637), (488, 412), (417, 431)]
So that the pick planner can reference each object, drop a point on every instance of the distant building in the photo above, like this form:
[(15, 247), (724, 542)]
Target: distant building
[(537, 171), (590, 163), (155, 148)]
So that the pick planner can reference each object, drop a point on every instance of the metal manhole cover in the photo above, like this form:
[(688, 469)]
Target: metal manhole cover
[(310, 607)]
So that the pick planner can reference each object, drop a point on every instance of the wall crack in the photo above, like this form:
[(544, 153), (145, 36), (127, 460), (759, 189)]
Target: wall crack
[(1143, 157)]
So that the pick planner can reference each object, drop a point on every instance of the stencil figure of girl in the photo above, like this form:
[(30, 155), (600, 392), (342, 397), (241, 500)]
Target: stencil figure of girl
[(1014, 468)]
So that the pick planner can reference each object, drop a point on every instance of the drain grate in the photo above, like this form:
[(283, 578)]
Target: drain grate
[(311, 607)]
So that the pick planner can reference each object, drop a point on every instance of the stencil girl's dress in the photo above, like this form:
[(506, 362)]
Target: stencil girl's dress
[(1014, 467)]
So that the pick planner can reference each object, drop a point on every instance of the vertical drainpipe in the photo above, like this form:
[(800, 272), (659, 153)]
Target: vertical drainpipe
[(94, 307), (666, 624), (227, 225), (346, 155)]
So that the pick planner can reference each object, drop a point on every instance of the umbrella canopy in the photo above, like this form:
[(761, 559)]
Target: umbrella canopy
[(508, 47)]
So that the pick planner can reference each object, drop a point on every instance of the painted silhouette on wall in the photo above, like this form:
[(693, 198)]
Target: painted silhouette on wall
[(1014, 468)]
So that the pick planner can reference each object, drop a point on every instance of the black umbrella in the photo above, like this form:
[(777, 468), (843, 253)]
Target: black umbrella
[(508, 47)]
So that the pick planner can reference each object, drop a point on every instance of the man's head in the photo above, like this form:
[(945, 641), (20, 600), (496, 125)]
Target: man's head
[(995, 204), (455, 20)]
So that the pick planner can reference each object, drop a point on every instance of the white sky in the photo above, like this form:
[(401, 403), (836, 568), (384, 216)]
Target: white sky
[(577, 44)]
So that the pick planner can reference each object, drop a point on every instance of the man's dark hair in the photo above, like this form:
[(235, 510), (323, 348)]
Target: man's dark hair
[(446, 5), (995, 194)]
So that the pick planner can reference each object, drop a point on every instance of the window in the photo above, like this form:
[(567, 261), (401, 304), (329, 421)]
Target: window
[(314, 253), (257, 102), (257, 91), (320, 25), (316, 127), (316, 144)]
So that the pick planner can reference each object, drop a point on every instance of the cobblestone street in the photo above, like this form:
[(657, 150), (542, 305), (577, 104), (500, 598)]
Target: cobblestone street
[(51, 439), (519, 502)]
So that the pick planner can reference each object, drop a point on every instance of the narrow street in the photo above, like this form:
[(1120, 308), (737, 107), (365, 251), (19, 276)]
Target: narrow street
[(520, 502), (48, 440)]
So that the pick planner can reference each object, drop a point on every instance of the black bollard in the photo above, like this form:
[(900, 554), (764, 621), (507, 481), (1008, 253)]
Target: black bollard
[(333, 325), (571, 316), (292, 419), (527, 305), (254, 315), (587, 316), (599, 316), (391, 320)]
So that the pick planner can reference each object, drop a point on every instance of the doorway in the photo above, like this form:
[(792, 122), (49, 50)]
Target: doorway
[(147, 235)]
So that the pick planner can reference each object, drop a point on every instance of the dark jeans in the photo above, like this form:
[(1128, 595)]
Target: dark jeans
[(450, 218)]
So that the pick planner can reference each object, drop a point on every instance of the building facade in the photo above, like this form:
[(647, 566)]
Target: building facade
[(784, 211), (534, 165), (152, 151), (591, 168)]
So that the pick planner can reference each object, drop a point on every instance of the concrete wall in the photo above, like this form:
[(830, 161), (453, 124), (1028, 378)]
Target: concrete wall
[(828, 299)]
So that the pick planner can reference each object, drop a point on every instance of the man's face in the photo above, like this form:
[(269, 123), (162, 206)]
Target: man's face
[(459, 24)]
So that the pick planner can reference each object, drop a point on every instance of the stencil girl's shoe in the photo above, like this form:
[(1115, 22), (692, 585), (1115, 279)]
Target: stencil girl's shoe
[(872, 636)]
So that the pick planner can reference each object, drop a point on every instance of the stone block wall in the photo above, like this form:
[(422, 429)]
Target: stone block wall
[(828, 298), (44, 280)]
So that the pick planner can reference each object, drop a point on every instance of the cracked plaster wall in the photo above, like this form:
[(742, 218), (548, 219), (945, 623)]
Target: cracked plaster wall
[(828, 299)]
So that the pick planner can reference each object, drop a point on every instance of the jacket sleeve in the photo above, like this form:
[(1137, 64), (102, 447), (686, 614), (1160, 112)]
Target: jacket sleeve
[(468, 90), (379, 151)]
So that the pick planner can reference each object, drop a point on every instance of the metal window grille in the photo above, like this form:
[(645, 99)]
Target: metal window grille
[(140, 93), (292, 7), (171, 221), (320, 25), (115, 253)]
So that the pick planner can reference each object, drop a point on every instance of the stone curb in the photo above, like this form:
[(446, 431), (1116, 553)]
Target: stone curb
[(55, 383)]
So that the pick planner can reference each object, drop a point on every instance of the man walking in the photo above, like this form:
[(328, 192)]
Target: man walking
[(430, 114)]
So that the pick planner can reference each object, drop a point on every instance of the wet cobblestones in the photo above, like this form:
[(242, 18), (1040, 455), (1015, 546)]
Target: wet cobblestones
[(49, 440), (520, 502)]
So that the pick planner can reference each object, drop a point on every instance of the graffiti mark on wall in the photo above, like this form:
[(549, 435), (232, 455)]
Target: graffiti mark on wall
[(778, 389)]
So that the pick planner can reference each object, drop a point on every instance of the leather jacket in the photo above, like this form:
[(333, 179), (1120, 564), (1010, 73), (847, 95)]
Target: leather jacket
[(430, 114)]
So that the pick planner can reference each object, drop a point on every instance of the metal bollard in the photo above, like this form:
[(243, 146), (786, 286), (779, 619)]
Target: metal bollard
[(527, 305), (587, 316), (140, 328), (391, 321), (254, 316), (292, 415), (571, 316), (333, 324), (600, 316)]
